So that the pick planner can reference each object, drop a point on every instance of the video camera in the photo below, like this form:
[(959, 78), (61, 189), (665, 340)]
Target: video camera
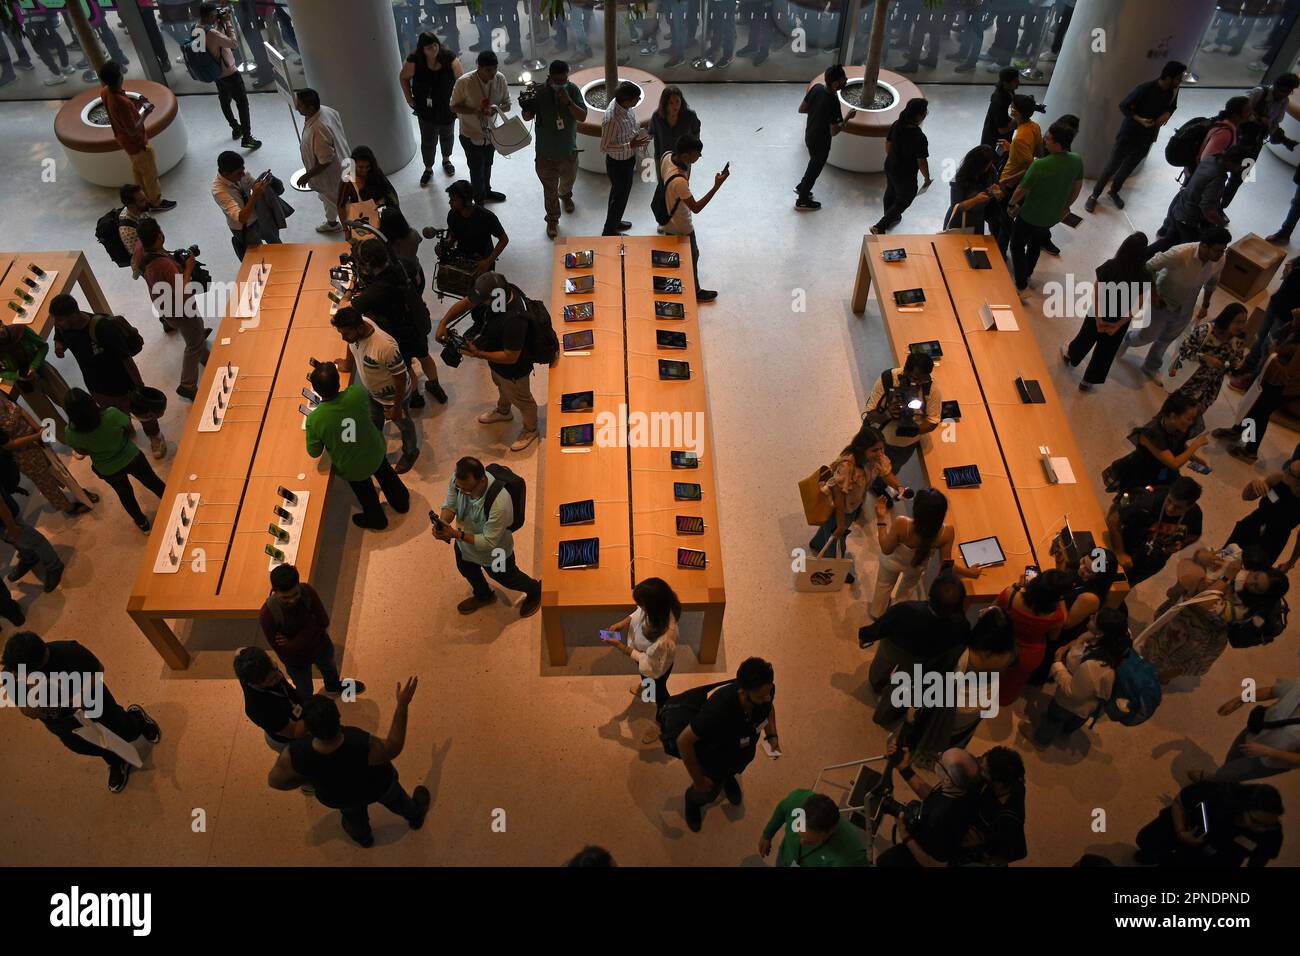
[(903, 405), (528, 98), (451, 351)]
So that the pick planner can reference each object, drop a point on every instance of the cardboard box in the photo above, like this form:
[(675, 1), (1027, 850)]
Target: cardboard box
[(1249, 266)]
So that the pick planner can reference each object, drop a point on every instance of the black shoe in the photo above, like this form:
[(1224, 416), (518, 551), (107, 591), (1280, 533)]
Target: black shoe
[(422, 799), (1117, 200), (731, 788), (364, 840), (118, 774), (624, 225), (761, 58), (14, 614), (21, 569), (694, 816), (448, 168), (425, 177), (725, 61), (435, 389), (361, 522), (705, 295), (250, 144), (494, 196), (907, 68), (1090, 204), (52, 578), (152, 732), (417, 400), (7, 78), (746, 50), (164, 205), (1051, 248), (965, 68), (186, 393), (807, 202)]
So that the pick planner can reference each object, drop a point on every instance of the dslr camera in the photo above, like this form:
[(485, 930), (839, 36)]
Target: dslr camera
[(903, 405), (909, 813), (528, 98)]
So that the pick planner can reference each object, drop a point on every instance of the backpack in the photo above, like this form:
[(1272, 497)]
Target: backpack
[(1136, 693), (514, 485), (201, 64), (1246, 633), (1185, 145), (132, 340), (106, 231), (541, 345), (679, 710), (659, 201), (417, 310)]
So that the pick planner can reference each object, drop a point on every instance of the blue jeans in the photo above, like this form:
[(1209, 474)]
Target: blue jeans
[(300, 674), (479, 159), (580, 19), (1292, 215), (826, 531), (1265, 337)]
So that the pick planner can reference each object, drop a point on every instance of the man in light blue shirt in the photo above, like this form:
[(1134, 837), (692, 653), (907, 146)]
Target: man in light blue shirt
[(1271, 751), (483, 511)]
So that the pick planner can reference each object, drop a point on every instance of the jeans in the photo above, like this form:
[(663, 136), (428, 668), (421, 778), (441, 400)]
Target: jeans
[(1164, 330), (247, 18), (47, 43), (1233, 32), (1104, 347), (681, 24), (817, 156), (973, 39), (511, 578), (479, 159), (1124, 158), (827, 531), (900, 190), (129, 725), (721, 28), (433, 135), (196, 346), (231, 89), (579, 18), (1264, 337), (927, 23), (1292, 216), (404, 17), (1026, 245), (557, 177), (1238, 768), (1056, 722), (758, 15), (120, 482), (356, 820), (497, 13), (621, 174), (6, 65), (405, 426), (443, 16), (397, 494), (34, 548), (1175, 233), (300, 674)]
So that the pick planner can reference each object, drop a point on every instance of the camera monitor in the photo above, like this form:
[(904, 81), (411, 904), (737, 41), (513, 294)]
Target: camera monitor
[(983, 553)]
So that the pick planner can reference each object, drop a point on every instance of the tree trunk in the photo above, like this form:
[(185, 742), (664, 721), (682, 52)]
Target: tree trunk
[(611, 51), (872, 66), (85, 36)]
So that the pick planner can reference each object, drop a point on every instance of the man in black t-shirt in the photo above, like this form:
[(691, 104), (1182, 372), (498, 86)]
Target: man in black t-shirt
[(723, 737), (269, 700), (997, 834), (1149, 526), (1146, 109), (948, 808), (821, 104), (25, 654), (501, 340), (472, 229), (350, 769), (107, 366), (1218, 825)]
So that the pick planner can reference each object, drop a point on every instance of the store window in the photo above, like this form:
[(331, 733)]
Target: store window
[(1242, 41), (44, 59)]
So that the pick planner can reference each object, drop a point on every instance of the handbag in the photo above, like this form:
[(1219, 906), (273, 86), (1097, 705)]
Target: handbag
[(817, 505), (964, 229), (509, 136)]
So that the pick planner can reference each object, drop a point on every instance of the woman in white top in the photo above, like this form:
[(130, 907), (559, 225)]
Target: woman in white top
[(906, 546), (1084, 673), (651, 638)]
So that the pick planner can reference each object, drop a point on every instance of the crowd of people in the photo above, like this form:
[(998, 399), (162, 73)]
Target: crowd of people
[(1056, 643)]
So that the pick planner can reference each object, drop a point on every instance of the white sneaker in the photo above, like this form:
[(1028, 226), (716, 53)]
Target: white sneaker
[(525, 439), (494, 416), (56, 80), (334, 226), (159, 445)]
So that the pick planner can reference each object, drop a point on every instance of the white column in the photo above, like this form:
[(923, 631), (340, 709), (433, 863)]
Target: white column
[(350, 57), (1111, 47)]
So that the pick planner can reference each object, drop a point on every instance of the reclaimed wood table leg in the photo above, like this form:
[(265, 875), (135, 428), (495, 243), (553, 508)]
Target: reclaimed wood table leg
[(862, 283), (163, 639), (95, 298), (553, 628), (711, 633), (47, 400)]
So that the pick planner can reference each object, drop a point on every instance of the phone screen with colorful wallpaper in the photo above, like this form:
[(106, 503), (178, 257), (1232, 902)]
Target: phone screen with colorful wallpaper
[(690, 558)]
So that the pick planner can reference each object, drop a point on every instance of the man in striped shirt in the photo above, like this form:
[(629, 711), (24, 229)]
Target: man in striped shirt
[(620, 138)]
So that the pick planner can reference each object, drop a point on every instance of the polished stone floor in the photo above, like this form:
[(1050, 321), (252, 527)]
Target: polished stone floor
[(493, 726)]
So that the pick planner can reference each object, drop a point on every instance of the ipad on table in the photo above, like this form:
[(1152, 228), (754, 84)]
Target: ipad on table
[(982, 553)]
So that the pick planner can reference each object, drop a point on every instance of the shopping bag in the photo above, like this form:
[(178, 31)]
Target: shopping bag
[(817, 505), (1252, 393), (962, 229), (509, 136), (822, 573), (96, 733)]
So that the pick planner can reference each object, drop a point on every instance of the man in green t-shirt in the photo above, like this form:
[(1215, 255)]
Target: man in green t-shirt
[(341, 425), (1046, 191), (559, 108), (815, 833)]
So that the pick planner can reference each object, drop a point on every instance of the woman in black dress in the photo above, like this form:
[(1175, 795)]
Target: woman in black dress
[(427, 78)]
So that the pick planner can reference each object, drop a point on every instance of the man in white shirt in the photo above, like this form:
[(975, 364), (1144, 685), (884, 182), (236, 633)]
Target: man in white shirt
[(1272, 750), (1177, 275), (379, 365), (620, 139), (475, 99), (323, 148), (675, 171), (237, 194), (219, 40)]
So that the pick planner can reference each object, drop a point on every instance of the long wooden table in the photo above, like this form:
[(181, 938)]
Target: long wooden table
[(260, 447), (997, 430), (630, 481)]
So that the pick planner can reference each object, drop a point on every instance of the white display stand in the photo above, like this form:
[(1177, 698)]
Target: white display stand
[(186, 505), (38, 294), (299, 512), (218, 402), (250, 295)]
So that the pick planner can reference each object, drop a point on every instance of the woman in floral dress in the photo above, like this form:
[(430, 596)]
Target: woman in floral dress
[(21, 437), (1219, 346)]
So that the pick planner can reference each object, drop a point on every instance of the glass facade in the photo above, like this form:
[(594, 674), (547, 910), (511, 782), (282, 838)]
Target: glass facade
[(681, 41)]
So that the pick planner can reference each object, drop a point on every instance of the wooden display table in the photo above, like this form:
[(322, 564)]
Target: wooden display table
[(260, 446), (979, 369), (632, 486)]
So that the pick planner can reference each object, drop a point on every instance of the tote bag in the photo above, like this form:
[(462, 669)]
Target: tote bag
[(509, 136), (817, 505), (963, 229), (822, 573), (1252, 393)]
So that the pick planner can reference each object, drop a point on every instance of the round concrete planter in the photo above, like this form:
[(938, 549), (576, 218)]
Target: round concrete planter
[(590, 157), (91, 149), (860, 147)]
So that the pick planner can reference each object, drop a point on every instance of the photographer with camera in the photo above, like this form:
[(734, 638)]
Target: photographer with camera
[(559, 108), (471, 229), (905, 404), (931, 830), (501, 340), (997, 834), (171, 280)]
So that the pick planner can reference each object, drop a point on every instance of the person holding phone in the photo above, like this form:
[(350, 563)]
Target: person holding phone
[(821, 104), (476, 98), (675, 171), (907, 152), (128, 125), (651, 641), (1219, 825)]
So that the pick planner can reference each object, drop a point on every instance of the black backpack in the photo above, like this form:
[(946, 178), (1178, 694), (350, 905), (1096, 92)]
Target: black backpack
[(514, 485), (1185, 145), (131, 338), (1246, 633), (659, 201), (106, 231), (200, 64), (542, 345), (679, 710), (417, 310)]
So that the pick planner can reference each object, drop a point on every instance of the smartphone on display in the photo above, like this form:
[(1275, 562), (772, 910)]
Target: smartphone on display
[(580, 284), (664, 260), (578, 512), (277, 532), (690, 524), (580, 553), (287, 495), (314, 362), (582, 312), (1031, 572), (577, 401), (610, 637), (690, 558), (274, 552), (685, 459), (670, 370), (894, 255), (572, 436), (686, 491), (670, 339), (304, 409), (579, 260), (335, 298), (669, 310), (909, 297), (311, 396), (282, 514), (667, 284), (950, 412), (574, 341), (1198, 467), (931, 348)]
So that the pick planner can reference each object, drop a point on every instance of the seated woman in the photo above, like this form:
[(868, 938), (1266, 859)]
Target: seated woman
[(1084, 673), (1214, 590), (906, 546), (1037, 612), (853, 473), (1090, 580)]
